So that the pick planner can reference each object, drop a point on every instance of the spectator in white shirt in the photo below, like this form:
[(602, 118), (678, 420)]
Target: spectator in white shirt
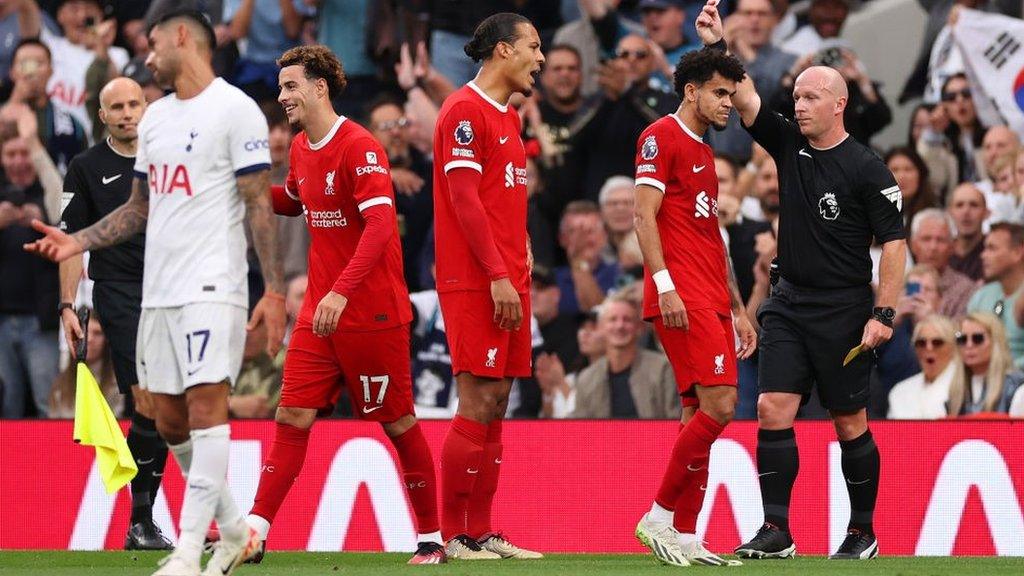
[(923, 396)]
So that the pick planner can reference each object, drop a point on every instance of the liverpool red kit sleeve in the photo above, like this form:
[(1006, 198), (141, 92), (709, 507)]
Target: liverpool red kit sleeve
[(464, 185), (652, 163)]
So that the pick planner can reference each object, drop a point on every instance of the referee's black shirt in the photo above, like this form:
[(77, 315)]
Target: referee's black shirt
[(98, 181), (832, 202)]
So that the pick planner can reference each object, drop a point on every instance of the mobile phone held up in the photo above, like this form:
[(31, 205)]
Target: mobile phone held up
[(913, 288)]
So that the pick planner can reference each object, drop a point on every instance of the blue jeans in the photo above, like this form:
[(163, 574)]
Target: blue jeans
[(448, 57), (28, 362)]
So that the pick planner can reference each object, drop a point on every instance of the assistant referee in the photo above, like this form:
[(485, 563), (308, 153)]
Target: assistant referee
[(836, 196), (97, 182)]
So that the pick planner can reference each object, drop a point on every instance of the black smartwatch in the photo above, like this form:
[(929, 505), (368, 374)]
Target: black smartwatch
[(884, 315)]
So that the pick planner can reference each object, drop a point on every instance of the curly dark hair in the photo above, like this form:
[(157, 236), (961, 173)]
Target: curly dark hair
[(318, 62), (495, 28), (699, 66)]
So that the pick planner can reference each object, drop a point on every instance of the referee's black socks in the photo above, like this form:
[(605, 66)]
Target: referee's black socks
[(861, 465), (777, 464), (150, 453)]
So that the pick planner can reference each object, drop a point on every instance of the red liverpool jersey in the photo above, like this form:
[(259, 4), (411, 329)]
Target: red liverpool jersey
[(473, 131), (336, 179), (671, 158)]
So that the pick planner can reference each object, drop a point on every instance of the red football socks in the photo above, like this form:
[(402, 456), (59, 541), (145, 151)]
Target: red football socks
[(280, 469), (478, 512), (418, 474), (688, 470), (460, 469)]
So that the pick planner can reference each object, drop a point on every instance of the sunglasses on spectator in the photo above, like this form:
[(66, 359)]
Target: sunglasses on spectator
[(392, 124), (977, 339), (951, 96), (638, 54), (924, 342)]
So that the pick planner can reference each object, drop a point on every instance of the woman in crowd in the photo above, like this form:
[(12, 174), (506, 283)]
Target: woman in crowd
[(911, 174), (923, 396), (988, 382)]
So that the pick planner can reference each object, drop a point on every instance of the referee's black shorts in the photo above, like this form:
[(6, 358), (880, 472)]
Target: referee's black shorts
[(805, 335), (119, 305)]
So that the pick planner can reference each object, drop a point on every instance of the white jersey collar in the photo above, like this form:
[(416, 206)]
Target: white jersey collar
[(501, 107), (330, 134), (685, 129)]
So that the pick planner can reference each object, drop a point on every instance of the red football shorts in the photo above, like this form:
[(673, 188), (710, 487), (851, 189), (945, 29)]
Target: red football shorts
[(705, 354), (374, 366), (477, 345)]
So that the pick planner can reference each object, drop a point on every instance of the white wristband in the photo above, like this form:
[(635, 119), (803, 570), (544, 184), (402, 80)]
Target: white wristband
[(663, 281)]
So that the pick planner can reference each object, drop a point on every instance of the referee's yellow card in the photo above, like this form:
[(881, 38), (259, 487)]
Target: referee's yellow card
[(853, 353)]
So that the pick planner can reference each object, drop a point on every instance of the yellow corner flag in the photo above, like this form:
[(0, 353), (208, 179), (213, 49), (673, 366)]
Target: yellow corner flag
[(95, 425)]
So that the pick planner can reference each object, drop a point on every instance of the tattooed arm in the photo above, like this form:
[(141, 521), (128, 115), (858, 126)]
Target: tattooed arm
[(254, 188), (123, 223)]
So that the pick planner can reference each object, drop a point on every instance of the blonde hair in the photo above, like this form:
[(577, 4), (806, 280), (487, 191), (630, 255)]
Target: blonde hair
[(1005, 161), (1000, 363)]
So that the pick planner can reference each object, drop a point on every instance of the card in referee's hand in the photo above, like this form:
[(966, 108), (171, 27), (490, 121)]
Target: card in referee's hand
[(853, 353)]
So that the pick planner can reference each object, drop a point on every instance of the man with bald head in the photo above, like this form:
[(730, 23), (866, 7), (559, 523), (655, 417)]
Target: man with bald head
[(969, 210), (822, 318), (99, 181)]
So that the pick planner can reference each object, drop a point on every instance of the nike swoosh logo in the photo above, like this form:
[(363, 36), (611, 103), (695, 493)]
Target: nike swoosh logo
[(367, 409), (191, 372), (698, 168), (502, 140), (497, 460), (766, 473), (804, 153), (144, 462), (301, 180), (109, 179), (852, 483), (691, 469), (471, 471), (704, 488)]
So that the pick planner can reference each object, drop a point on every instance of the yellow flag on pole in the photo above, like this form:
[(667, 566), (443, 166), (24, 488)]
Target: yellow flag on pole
[(95, 425)]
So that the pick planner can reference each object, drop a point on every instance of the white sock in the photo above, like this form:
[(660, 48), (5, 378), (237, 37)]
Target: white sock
[(259, 524), (687, 539), (431, 537), (183, 454), (206, 479), (659, 514)]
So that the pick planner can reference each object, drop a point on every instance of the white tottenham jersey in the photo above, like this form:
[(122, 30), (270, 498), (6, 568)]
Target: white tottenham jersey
[(190, 152)]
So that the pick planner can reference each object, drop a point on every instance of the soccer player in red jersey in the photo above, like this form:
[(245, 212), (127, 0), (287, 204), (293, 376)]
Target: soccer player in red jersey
[(690, 293), (354, 324), (483, 273)]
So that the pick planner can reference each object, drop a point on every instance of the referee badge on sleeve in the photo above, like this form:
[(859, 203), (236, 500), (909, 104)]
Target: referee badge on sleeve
[(894, 195)]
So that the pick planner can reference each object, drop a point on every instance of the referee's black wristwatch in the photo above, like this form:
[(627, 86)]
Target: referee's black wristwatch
[(884, 315), (65, 306)]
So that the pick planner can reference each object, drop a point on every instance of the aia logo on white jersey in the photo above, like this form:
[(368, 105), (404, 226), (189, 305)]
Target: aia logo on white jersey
[(720, 364), (649, 149), (705, 206), (371, 157), (492, 354), (329, 190)]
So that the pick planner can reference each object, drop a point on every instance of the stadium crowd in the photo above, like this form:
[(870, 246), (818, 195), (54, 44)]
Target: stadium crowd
[(958, 344)]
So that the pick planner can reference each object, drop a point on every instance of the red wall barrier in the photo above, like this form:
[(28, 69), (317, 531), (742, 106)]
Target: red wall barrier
[(572, 486)]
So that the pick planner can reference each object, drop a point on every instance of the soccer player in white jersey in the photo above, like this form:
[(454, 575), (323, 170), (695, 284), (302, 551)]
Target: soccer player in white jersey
[(202, 163)]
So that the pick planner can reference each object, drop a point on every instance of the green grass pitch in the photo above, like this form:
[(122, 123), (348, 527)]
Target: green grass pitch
[(321, 563)]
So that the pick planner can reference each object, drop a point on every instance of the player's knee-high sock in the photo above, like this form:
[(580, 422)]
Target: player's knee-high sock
[(691, 499), (692, 446), (478, 511), (778, 462), (150, 453), (861, 467), (460, 467), (420, 481), (207, 475), (282, 466)]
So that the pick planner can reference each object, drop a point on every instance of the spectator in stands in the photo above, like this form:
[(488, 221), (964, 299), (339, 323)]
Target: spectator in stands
[(826, 19), (965, 132), (257, 389), (926, 135), (617, 200), (425, 90), (968, 209), (14, 16), (538, 227), (594, 36), (1003, 203), (749, 33), (664, 21), (31, 69), (628, 105), (591, 273), (742, 232), (292, 234), (97, 358), (627, 382), (151, 91), (1003, 264), (1005, 190), (558, 385), (763, 204), (84, 26), (269, 29), (343, 27), (988, 381), (931, 242), (558, 330), (911, 174), (924, 396), (412, 176), (28, 286)]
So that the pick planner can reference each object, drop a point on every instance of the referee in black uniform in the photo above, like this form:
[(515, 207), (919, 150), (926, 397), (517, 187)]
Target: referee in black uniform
[(836, 196), (98, 181)]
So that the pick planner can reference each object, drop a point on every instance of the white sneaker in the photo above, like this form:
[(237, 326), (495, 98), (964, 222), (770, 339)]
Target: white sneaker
[(463, 547), (696, 553), (499, 545), (228, 555), (177, 564), (662, 540)]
